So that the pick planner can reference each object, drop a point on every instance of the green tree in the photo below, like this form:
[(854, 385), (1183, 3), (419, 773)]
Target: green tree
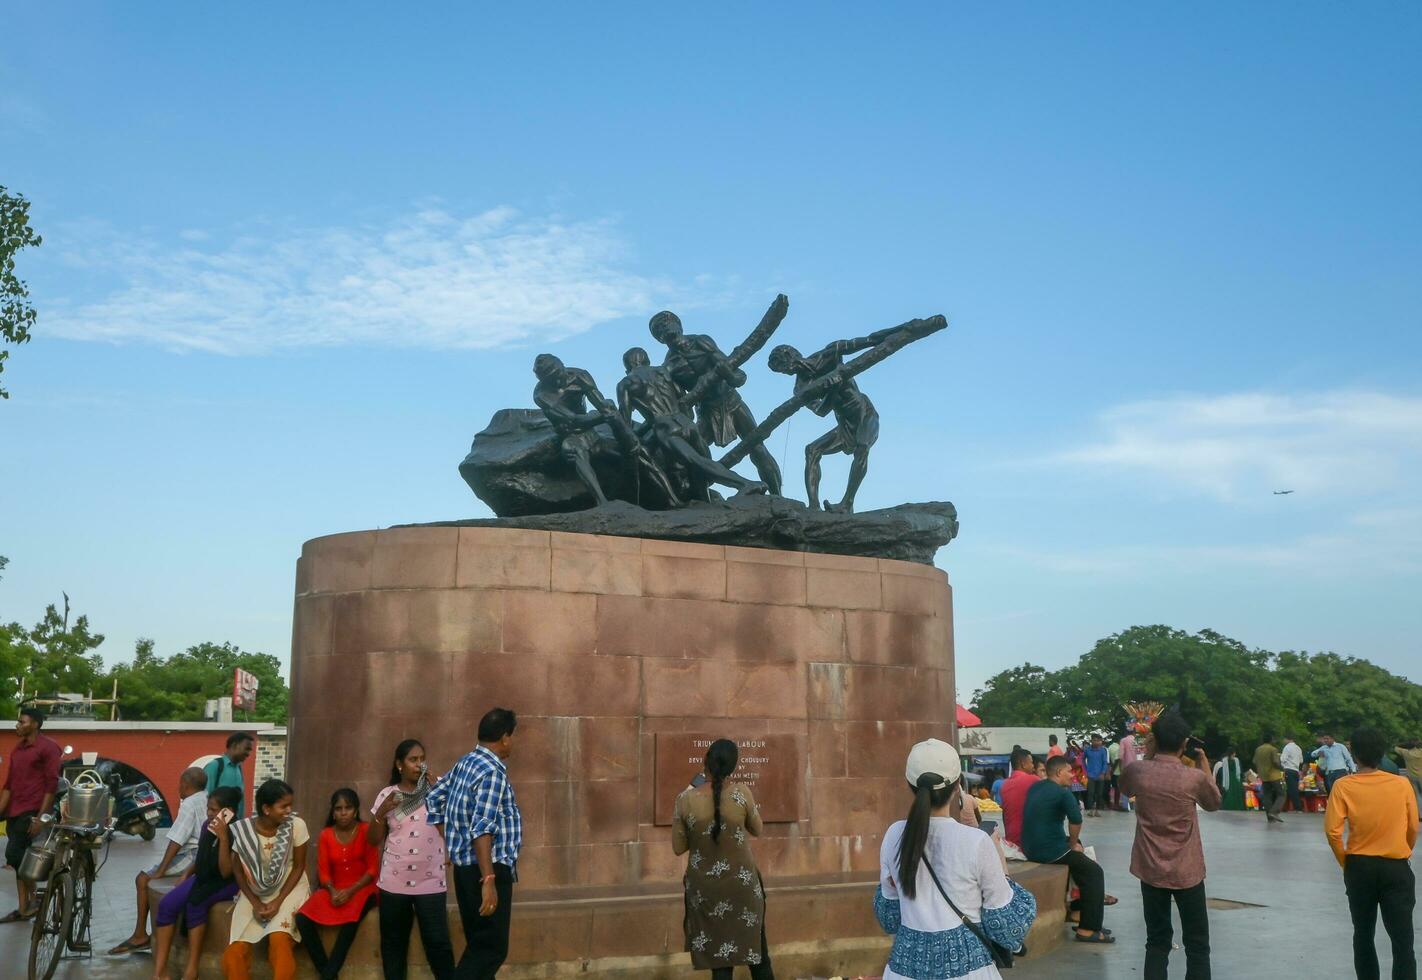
[(1336, 694), (1230, 693), (1028, 695), (14, 655), (177, 689), (17, 316), (61, 657), (1221, 686)]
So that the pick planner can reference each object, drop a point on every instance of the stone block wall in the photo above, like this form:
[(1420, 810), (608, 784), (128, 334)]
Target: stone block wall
[(269, 761), (599, 643)]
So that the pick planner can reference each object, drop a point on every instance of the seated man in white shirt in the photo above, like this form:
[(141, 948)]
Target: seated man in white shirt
[(177, 856)]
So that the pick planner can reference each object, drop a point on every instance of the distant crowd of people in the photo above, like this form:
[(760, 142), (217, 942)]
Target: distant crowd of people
[(1371, 822)]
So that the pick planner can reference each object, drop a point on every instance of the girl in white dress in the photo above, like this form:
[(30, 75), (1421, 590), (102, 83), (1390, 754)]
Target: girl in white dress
[(932, 849), (270, 869)]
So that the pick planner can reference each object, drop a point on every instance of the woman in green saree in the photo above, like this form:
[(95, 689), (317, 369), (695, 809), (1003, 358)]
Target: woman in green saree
[(1230, 781)]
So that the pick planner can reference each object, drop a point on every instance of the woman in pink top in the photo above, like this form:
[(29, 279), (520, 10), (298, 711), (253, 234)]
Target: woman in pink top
[(412, 875)]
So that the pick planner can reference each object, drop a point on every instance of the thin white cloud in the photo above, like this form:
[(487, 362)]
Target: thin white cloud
[(432, 280), (1253, 442), (1366, 544)]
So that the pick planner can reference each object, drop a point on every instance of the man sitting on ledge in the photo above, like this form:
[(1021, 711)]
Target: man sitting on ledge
[(1048, 802)]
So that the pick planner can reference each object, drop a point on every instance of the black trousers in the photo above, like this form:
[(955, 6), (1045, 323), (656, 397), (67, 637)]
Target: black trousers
[(1291, 781), (1096, 793), (398, 914), (486, 937), (1271, 798), (1194, 929), (328, 966), (1091, 880), (1388, 884)]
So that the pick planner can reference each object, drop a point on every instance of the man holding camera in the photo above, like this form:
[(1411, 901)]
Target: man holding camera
[(1167, 856)]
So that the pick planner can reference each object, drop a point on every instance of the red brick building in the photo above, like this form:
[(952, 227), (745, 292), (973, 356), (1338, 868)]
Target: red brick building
[(161, 750)]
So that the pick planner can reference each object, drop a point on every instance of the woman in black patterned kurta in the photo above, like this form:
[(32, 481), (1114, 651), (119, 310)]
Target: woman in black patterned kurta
[(725, 899)]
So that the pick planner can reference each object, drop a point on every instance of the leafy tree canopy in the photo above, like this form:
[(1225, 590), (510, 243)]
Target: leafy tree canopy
[(1230, 693), (154, 689), (17, 316), (57, 656), (61, 655)]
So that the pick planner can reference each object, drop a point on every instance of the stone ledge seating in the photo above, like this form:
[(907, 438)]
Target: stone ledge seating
[(822, 925)]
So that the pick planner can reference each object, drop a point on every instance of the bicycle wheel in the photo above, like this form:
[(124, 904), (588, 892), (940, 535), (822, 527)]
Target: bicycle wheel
[(82, 886), (51, 927)]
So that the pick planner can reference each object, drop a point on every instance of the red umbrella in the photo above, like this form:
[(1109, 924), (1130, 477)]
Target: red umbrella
[(966, 719)]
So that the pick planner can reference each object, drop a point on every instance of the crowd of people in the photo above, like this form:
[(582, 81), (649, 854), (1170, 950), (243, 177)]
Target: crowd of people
[(419, 833), (1371, 822), (944, 890)]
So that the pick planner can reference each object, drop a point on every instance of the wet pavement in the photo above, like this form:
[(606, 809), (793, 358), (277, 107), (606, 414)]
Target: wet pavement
[(1293, 920)]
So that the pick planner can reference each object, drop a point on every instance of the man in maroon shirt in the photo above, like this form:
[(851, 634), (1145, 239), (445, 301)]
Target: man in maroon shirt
[(1014, 793), (1167, 856), (29, 788)]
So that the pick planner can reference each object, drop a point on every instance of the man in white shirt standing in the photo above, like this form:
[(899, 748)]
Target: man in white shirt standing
[(1291, 761), (177, 857), (1334, 760)]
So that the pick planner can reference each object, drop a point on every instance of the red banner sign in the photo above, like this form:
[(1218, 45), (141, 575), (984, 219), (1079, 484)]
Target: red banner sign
[(244, 691)]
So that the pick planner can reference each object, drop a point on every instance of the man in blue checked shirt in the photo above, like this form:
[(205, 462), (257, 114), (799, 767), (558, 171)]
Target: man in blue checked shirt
[(1334, 761), (473, 805)]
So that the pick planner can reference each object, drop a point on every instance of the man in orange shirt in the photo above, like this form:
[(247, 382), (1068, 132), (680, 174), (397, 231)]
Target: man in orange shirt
[(1380, 812)]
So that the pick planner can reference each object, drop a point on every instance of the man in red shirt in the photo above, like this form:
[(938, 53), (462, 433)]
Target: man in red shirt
[(28, 791), (1014, 793)]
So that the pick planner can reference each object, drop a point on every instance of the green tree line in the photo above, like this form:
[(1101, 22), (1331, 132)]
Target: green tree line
[(58, 655), (1232, 694)]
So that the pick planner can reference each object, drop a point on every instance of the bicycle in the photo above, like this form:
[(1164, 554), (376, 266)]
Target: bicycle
[(62, 866)]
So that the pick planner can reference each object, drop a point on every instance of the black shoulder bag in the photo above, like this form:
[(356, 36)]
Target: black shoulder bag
[(1001, 955)]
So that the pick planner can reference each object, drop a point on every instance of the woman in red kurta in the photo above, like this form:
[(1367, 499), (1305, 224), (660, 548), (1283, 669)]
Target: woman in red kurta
[(347, 867)]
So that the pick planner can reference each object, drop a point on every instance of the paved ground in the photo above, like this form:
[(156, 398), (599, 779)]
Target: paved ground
[(113, 918), (1298, 929)]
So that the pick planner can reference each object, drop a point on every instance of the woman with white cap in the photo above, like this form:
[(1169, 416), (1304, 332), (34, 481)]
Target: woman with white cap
[(943, 894)]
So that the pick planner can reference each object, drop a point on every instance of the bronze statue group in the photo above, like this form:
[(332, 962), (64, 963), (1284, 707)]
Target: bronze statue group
[(667, 417)]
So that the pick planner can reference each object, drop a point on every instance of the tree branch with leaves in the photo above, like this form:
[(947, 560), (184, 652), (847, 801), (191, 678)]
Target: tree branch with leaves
[(17, 316)]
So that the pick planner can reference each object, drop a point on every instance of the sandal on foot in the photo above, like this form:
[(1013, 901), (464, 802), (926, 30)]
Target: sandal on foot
[(127, 946), (1110, 900), (18, 916), (1096, 937)]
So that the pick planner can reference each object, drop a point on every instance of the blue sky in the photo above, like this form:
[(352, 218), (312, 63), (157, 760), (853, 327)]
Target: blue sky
[(295, 258)]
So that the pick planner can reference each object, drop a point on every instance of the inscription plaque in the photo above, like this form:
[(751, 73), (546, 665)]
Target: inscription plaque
[(773, 766)]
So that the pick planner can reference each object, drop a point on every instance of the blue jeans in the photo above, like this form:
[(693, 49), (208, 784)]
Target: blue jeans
[(1332, 776)]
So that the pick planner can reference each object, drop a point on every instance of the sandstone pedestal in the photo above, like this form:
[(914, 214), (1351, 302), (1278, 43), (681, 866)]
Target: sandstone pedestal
[(619, 654)]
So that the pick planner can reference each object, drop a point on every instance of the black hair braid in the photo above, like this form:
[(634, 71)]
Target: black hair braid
[(717, 781), (721, 760)]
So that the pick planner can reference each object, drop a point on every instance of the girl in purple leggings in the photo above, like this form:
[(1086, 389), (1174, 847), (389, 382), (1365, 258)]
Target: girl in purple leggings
[(206, 883)]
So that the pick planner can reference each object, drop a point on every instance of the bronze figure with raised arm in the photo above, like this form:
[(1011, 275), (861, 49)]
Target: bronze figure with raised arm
[(856, 420)]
